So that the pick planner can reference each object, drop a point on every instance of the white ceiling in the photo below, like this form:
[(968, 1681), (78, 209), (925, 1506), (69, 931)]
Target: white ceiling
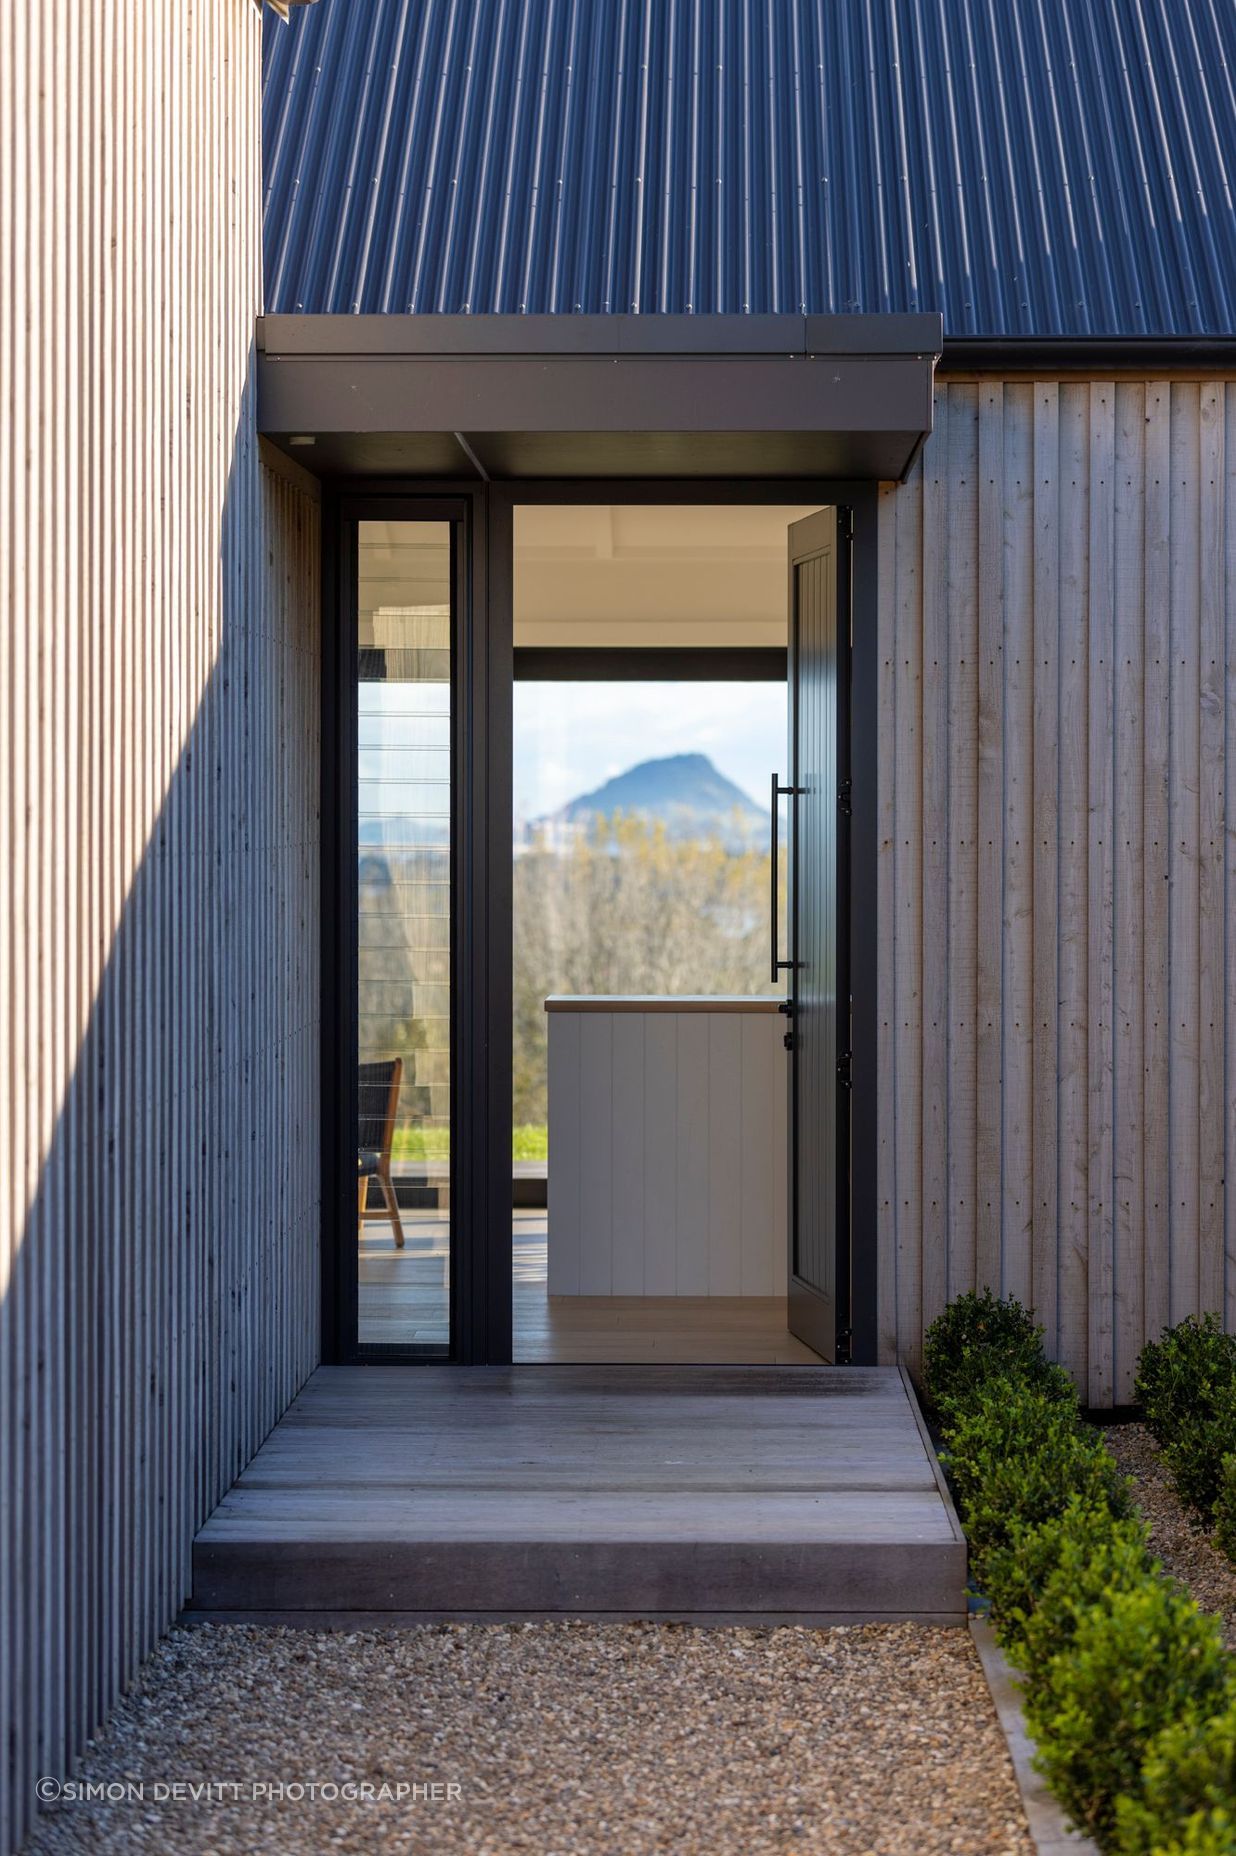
[(607, 573), (402, 568), (644, 574)]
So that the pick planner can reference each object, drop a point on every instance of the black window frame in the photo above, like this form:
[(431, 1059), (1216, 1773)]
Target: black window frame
[(486, 668), (343, 514), (639, 663)]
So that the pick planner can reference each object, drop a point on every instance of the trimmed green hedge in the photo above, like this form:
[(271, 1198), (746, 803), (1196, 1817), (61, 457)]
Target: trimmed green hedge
[(979, 1340), (1132, 1663), (1127, 1689), (1016, 1454), (1179, 1376), (1188, 1779), (1083, 1542), (1186, 1385)]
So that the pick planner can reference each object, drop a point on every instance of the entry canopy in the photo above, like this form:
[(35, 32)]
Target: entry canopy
[(510, 397)]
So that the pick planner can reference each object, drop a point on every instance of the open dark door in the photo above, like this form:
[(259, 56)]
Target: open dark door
[(819, 1035)]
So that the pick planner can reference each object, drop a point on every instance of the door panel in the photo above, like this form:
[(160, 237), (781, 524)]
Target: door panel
[(818, 1271)]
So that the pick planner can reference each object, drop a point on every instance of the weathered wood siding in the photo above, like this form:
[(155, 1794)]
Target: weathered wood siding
[(1057, 865), (158, 849)]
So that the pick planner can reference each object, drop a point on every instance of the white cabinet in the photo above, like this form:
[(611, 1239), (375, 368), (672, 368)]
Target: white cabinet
[(667, 1146)]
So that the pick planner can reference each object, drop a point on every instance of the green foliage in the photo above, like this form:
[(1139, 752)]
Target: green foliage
[(530, 1143), (1180, 1375), (1210, 1833), (1186, 1800), (1127, 1688), (1195, 1455), (1092, 1567), (1016, 1455), (1225, 1508), (1186, 1383), (421, 1144), (628, 908), (978, 1338), (527, 1143), (1083, 1549), (1136, 1660)]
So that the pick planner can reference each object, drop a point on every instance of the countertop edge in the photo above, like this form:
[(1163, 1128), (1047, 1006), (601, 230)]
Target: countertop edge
[(654, 1002)]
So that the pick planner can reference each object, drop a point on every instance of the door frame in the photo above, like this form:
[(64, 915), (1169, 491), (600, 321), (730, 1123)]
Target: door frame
[(481, 1289)]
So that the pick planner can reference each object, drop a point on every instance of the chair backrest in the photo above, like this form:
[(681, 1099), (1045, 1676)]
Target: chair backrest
[(377, 1096)]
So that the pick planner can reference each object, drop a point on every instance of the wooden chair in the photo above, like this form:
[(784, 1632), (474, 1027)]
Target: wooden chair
[(378, 1099)]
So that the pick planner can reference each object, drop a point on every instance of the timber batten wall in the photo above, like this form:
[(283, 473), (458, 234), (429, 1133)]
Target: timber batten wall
[(158, 850), (1057, 865)]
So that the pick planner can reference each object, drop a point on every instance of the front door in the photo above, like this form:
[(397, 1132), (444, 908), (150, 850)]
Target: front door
[(819, 995)]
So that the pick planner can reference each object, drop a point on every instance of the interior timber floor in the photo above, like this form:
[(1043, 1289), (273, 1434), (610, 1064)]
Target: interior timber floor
[(404, 1493), (403, 1298)]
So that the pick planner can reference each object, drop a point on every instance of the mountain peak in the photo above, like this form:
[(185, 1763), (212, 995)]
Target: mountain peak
[(695, 763), (686, 793)]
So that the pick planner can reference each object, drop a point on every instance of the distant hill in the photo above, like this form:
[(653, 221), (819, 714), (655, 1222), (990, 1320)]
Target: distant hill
[(685, 793)]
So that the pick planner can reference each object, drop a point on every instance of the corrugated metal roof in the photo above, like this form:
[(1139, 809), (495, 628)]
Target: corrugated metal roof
[(1028, 167)]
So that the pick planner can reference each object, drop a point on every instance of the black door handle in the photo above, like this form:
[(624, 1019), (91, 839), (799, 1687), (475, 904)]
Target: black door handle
[(778, 792)]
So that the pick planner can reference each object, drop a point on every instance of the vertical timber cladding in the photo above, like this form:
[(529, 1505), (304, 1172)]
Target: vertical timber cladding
[(1058, 866), (158, 849)]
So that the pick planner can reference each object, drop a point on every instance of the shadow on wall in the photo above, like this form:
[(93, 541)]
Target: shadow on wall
[(162, 1308)]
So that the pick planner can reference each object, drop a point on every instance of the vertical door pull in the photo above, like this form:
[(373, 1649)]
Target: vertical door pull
[(779, 792)]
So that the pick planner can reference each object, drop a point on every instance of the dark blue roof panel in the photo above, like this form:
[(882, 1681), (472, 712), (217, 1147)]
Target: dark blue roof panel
[(1028, 167)]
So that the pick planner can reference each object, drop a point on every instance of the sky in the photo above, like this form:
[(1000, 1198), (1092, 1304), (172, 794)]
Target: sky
[(570, 737)]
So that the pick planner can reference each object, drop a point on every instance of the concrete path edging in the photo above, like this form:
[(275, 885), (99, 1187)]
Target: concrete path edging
[(1049, 1829)]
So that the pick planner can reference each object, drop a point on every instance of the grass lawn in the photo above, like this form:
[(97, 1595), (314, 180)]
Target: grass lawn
[(528, 1143)]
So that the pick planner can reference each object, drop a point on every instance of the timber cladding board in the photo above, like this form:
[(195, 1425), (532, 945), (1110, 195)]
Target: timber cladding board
[(1057, 864), (159, 689)]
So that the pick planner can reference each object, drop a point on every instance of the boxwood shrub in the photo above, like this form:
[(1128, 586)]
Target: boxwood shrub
[(1225, 1509), (1180, 1374), (1209, 1835), (1047, 1575), (1127, 1688), (1135, 1660), (1196, 1454), (1186, 1384), (1017, 1451), (1184, 1801), (979, 1338)]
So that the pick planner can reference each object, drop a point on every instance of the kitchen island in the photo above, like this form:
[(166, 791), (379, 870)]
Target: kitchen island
[(667, 1146)]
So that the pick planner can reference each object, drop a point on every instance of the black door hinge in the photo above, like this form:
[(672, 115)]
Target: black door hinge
[(845, 1070), (846, 523), (788, 1040), (845, 797), (845, 1337)]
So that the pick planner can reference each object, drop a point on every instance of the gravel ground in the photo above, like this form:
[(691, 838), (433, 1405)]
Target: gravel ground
[(1175, 1535), (875, 1740)]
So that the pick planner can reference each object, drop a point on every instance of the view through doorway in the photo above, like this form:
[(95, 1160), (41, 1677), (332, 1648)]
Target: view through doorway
[(649, 1156)]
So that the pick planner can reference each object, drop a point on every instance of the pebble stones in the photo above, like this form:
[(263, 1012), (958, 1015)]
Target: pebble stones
[(562, 1738), (1176, 1536)]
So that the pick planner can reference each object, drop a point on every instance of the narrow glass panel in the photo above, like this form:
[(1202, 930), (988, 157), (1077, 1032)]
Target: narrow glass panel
[(404, 918)]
